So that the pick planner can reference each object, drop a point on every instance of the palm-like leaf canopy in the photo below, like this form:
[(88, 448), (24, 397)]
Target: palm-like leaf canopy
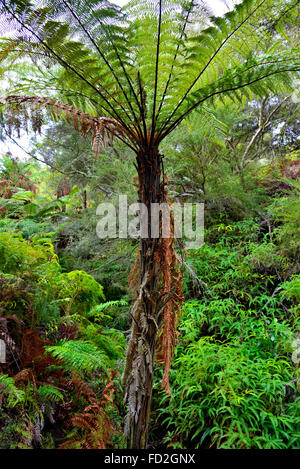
[(151, 63)]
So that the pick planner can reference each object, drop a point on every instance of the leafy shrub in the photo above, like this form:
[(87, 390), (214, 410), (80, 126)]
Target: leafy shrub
[(233, 380), (285, 212), (19, 256), (291, 288), (225, 396), (81, 289)]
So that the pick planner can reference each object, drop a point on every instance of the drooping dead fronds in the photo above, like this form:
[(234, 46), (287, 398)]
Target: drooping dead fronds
[(168, 304), (20, 110), (172, 301), (8, 187), (94, 420)]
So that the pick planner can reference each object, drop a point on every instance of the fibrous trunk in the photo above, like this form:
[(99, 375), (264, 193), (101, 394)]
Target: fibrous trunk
[(154, 313)]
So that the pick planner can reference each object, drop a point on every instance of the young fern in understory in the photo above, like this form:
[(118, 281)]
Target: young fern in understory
[(10, 392), (49, 393)]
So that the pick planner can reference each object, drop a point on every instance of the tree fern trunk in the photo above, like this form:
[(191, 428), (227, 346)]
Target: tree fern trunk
[(138, 375)]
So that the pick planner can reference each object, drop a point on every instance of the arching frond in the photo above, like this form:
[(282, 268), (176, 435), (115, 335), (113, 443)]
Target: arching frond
[(254, 77), (78, 355)]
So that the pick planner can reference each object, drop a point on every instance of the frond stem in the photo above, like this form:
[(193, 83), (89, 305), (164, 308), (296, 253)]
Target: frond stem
[(104, 59), (60, 59), (156, 73), (209, 62), (174, 59), (175, 123)]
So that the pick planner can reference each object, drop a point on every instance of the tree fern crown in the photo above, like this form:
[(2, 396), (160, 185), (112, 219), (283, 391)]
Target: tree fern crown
[(149, 64)]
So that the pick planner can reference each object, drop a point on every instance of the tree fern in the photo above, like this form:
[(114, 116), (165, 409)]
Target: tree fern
[(146, 67)]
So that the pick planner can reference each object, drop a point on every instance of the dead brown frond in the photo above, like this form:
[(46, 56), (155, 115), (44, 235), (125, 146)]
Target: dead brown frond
[(171, 298), (10, 186), (23, 109), (168, 305), (172, 287), (25, 376), (82, 388), (94, 420)]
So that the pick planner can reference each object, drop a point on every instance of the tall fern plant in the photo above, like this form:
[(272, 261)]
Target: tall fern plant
[(135, 74)]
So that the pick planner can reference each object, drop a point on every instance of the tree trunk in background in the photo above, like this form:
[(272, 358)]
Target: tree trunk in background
[(146, 319), (84, 199)]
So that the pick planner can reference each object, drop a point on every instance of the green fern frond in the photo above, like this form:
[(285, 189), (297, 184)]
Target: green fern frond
[(9, 390), (111, 341), (79, 355), (255, 77), (50, 393), (97, 311), (107, 304)]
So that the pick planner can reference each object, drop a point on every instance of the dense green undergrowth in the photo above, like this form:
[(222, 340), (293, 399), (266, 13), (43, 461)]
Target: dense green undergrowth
[(234, 382), (59, 354)]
